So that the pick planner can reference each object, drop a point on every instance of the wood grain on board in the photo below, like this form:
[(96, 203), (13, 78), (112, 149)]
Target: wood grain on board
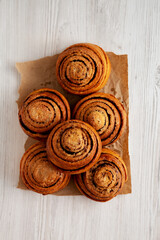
[(35, 29)]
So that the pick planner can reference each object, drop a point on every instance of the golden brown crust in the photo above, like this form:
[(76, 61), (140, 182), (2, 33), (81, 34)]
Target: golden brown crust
[(105, 179), (105, 113), (39, 174), (41, 111), (74, 146), (83, 68)]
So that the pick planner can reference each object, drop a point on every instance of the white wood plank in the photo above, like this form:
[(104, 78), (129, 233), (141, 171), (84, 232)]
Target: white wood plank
[(33, 29)]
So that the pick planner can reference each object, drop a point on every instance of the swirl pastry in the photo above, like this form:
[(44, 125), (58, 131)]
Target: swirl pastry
[(39, 174), (105, 113), (74, 146), (41, 111), (83, 68), (105, 179)]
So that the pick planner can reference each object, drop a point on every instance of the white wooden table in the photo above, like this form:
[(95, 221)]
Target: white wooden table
[(30, 29)]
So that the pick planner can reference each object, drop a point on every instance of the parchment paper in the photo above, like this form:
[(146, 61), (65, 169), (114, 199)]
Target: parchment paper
[(41, 73)]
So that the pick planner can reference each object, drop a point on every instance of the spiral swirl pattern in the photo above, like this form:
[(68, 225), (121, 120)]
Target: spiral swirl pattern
[(74, 146), (83, 68), (105, 113), (105, 179), (41, 111), (39, 174)]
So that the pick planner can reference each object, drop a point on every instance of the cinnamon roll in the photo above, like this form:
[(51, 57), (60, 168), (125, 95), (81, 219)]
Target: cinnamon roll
[(39, 174), (74, 146), (105, 113), (83, 68), (105, 179), (41, 111)]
